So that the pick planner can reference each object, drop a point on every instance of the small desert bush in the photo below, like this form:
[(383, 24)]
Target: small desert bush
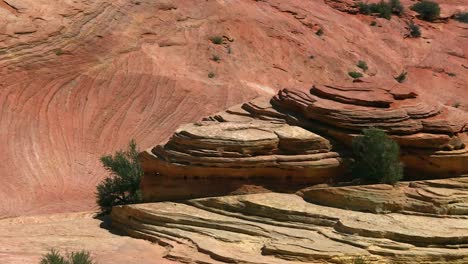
[(427, 10), (218, 40), (414, 30), (376, 157), (462, 17), (383, 9), (215, 58), (401, 77), (122, 186), (211, 75), (363, 65), (397, 7), (355, 75), (319, 32), (54, 257)]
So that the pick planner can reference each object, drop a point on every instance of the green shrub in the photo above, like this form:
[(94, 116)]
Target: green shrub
[(363, 65), (414, 30), (80, 257), (54, 257), (218, 40), (376, 157), (373, 23), (402, 77), (59, 52), (319, 32), (123, 184), (427, 10), (462, 17), (364, 8), (383, 9), (215, 58), (211, 75), (355, 75), (397, 7)]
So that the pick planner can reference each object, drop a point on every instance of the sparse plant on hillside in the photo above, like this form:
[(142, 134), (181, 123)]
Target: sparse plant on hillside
[(364, 8), (383, 9), (355, 75), (373, 23), (215, 58), (427, 10), (211, 75), (376, 157), (319, 32), (451, 74), (80, 257), (363, 65), (122, 186), (397, 7), (414, 30), (218, 40), (59, 52), (54, 257), (462, 17), (401, 77)]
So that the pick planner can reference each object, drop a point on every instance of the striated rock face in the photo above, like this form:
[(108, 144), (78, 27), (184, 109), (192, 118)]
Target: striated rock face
[(444, 197), (80, 78), (300, 138), (236, 152), (426, 223), (433, 137)]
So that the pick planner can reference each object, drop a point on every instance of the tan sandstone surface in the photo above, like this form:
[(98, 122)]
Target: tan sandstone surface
[(412, 222), (80, 78), (23, 240)]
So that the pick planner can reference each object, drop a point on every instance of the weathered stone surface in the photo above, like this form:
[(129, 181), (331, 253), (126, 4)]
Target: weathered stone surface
[(433, 137), (444, 197), (304, 138), (426, 223), (24, 240), (229, 154)]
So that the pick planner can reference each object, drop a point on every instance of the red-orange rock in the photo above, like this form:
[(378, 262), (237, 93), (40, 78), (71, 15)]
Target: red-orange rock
[(80, 78)]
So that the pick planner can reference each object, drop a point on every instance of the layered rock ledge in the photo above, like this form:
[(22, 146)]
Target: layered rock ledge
[(298, 138), (426, 223)]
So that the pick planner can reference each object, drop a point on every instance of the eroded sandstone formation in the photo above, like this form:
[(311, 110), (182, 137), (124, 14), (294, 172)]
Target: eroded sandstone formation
[(80, 78), (425, 222), (304, 138), (433, 137), (210, 158)]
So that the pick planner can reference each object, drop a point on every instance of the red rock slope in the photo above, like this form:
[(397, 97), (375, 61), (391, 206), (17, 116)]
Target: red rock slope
[(80, 78)]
